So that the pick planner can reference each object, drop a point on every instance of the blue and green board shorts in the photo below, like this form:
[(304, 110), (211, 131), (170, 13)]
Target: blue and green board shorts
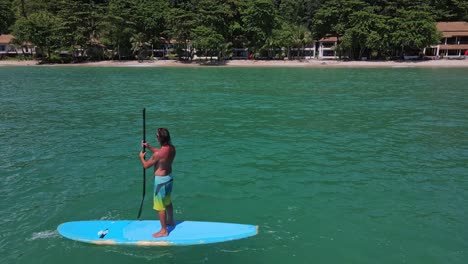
[(162, 192)]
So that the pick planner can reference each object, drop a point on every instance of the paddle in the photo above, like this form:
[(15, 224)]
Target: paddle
[(144, 170)]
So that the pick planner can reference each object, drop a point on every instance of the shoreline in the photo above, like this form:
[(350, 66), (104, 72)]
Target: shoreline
[(257, 63)]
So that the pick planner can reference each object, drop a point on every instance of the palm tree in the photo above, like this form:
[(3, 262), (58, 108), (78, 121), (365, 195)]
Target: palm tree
[(138, 44), (301, 36)]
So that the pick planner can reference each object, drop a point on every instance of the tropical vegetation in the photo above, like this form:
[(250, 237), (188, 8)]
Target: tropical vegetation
[(129, 29)]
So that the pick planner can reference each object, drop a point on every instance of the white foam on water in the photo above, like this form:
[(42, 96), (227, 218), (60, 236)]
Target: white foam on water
[(110, 216), (234, 251), (142, 253), (44, 235)]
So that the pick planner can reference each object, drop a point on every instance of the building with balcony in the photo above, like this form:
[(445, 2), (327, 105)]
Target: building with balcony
[(326, 48), (454, 42)]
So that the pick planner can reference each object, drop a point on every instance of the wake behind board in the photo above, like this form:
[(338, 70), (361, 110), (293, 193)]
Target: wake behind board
[(139, 233)]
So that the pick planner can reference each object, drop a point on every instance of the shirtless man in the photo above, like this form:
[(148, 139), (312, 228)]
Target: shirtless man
[(161, 159)]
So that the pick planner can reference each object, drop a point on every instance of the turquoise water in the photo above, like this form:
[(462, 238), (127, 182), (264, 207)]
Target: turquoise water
[(334, 165)]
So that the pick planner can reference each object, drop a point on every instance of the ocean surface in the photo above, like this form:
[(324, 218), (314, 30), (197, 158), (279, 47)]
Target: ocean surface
[(333, 165)]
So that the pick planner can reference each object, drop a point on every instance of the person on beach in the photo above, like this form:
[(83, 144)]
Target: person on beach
[(161, 159)]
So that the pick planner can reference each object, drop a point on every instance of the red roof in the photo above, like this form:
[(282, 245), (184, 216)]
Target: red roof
[(453, 47), (451, 29), (6, 39), (329, 39)]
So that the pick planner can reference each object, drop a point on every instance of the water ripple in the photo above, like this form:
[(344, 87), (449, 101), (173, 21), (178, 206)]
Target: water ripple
[(329, 163)]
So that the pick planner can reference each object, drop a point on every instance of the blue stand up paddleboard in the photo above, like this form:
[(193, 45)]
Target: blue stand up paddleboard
[(139, 233)]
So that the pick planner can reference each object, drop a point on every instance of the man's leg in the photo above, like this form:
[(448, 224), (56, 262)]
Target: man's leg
[(170, 215), (162, 219)]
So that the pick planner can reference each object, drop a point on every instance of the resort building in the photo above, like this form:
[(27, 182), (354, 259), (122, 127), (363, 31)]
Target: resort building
[(9, 49), (162, 49), (5, 44), (326, 48), (454, 43), (240, 54), (308, 52)]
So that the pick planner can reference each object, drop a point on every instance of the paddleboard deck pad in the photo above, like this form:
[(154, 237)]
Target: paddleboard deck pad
[(139, 233)]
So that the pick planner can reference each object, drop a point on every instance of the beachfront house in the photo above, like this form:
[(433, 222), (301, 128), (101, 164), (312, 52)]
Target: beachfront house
[(326, 48), (240, 54), (162, 49), (308, 52), (8, 47), (454, 43), (5, 45)]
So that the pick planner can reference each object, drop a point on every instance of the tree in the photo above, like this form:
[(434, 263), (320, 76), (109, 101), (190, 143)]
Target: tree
[(368, 32), (40, 29), (333, 18), (118, 27), (207, 41), (150, 20), (449, 10), (283, 37), (413, 30), (24, 8), (299, 12), (301, 37), (139, 45), (293, 11), (212, 14), (259, 20), (378, 27), (7, 17), (390, 7), (236, 35), (81, 23), (182, 20)]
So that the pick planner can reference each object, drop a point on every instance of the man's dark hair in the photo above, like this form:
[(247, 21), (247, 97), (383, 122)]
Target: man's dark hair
[(163, 136)]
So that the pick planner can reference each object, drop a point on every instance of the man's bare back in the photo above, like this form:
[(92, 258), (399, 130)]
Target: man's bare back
[(164, 158)]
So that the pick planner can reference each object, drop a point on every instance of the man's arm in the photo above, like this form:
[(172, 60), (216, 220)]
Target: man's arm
[(147, 145), (148, 163)]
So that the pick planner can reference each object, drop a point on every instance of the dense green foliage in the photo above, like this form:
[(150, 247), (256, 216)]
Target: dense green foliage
[(6, 15), (131, 28)]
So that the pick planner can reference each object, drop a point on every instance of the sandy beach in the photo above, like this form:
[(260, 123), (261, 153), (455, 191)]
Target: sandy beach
[(255, 63)]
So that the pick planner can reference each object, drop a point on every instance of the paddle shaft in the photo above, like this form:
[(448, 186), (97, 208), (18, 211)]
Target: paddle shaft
[(144, 170)]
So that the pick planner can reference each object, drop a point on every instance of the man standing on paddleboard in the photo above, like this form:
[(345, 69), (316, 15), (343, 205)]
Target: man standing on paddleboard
[(161, 159)]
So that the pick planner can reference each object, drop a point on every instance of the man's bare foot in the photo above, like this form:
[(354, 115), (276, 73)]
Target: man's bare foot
[(171, 223), (161, 233)]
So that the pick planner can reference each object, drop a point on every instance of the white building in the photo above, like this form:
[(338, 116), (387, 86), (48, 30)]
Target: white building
[(308, 52), (8, 49), (326, 48), (454, 41)]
